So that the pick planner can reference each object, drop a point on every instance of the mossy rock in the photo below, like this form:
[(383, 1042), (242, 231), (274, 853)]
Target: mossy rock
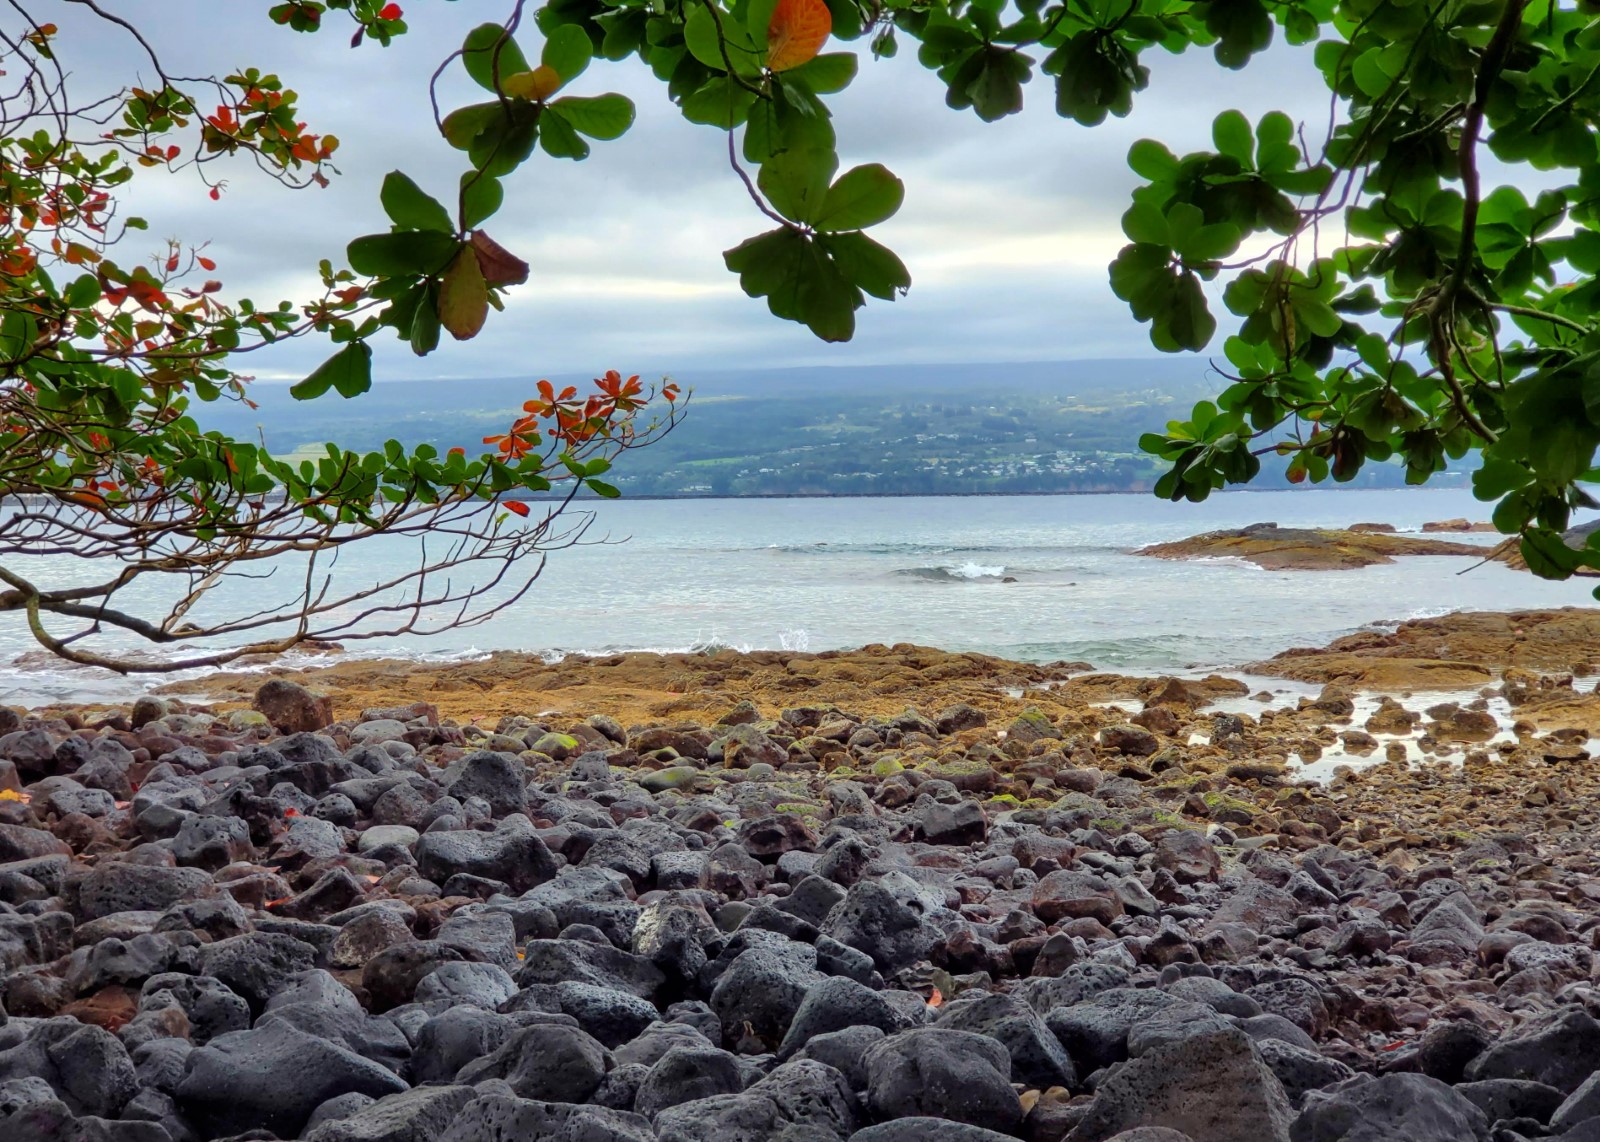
[(246, 720), (558, 746), (1032, 725), (674, 777), (883, 767)]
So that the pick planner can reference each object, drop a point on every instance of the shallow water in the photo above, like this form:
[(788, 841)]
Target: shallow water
[(815, 574)]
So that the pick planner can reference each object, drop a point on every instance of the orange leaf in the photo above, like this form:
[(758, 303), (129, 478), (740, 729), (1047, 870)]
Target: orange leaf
[(936, 998), (517, 506), (540, 83), (206, 263), (796, 32)]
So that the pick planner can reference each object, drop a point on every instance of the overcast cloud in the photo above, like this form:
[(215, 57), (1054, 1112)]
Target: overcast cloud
[(1007, 228)]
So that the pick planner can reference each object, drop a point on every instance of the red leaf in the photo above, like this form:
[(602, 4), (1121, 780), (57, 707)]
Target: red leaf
[(216, 193), (499, 265), (390, 12), (206, 263), (517, 506), (796, 32)]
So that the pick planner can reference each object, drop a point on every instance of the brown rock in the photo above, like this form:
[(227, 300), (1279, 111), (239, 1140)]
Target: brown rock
[(110, 1008), (1129, 740), (1188, 856), (1070, 894), (1304, 549), (291, 708)]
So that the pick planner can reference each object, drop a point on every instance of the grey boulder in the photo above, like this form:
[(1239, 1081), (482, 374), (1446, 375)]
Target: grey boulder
[(936, 1072), (1214, 1087), (1399, 1106), (273, 1077)]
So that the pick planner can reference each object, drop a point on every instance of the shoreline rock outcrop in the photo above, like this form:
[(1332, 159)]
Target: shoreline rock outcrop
[(1277, 548)]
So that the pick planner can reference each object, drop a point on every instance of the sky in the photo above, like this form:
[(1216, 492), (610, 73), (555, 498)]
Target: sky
[(1007, 228)]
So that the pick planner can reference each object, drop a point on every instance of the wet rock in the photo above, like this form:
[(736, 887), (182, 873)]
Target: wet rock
[(257, 965), (120, 886)]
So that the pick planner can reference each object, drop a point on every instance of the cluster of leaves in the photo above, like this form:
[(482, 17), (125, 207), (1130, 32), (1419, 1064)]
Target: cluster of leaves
[(101, 359), (1387, 306)]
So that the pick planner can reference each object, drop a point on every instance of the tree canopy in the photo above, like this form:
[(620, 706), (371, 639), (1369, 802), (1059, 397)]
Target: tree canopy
[(1386, 300)]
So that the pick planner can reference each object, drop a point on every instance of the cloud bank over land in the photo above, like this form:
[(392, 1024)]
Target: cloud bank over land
[(1007, 228)]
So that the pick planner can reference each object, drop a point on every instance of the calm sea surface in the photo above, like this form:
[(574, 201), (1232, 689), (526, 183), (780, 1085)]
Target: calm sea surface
[(816, 574)]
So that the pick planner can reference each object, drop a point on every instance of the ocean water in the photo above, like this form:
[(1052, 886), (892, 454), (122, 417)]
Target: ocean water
[(1038, 578)]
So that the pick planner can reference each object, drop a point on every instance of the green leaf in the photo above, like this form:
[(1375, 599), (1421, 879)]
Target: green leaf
[(875, 269), (409, 207), (425, 323), (466, 124), (724, 103), (349, 371), (796, 181), (1547, 554), (567, 52), (601, 488), (603, 117), (481, 196), (406, 252), (1210, 243), (1145, 223), (1153, 161), (1231, 133), (799, 279), (489, 51), (828, 73), (83, 292), (863, 196), (701, 37), (558, 138)]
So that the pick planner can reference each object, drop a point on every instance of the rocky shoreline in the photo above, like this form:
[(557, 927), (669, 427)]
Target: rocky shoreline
[(891, 895), (1275, 548)]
